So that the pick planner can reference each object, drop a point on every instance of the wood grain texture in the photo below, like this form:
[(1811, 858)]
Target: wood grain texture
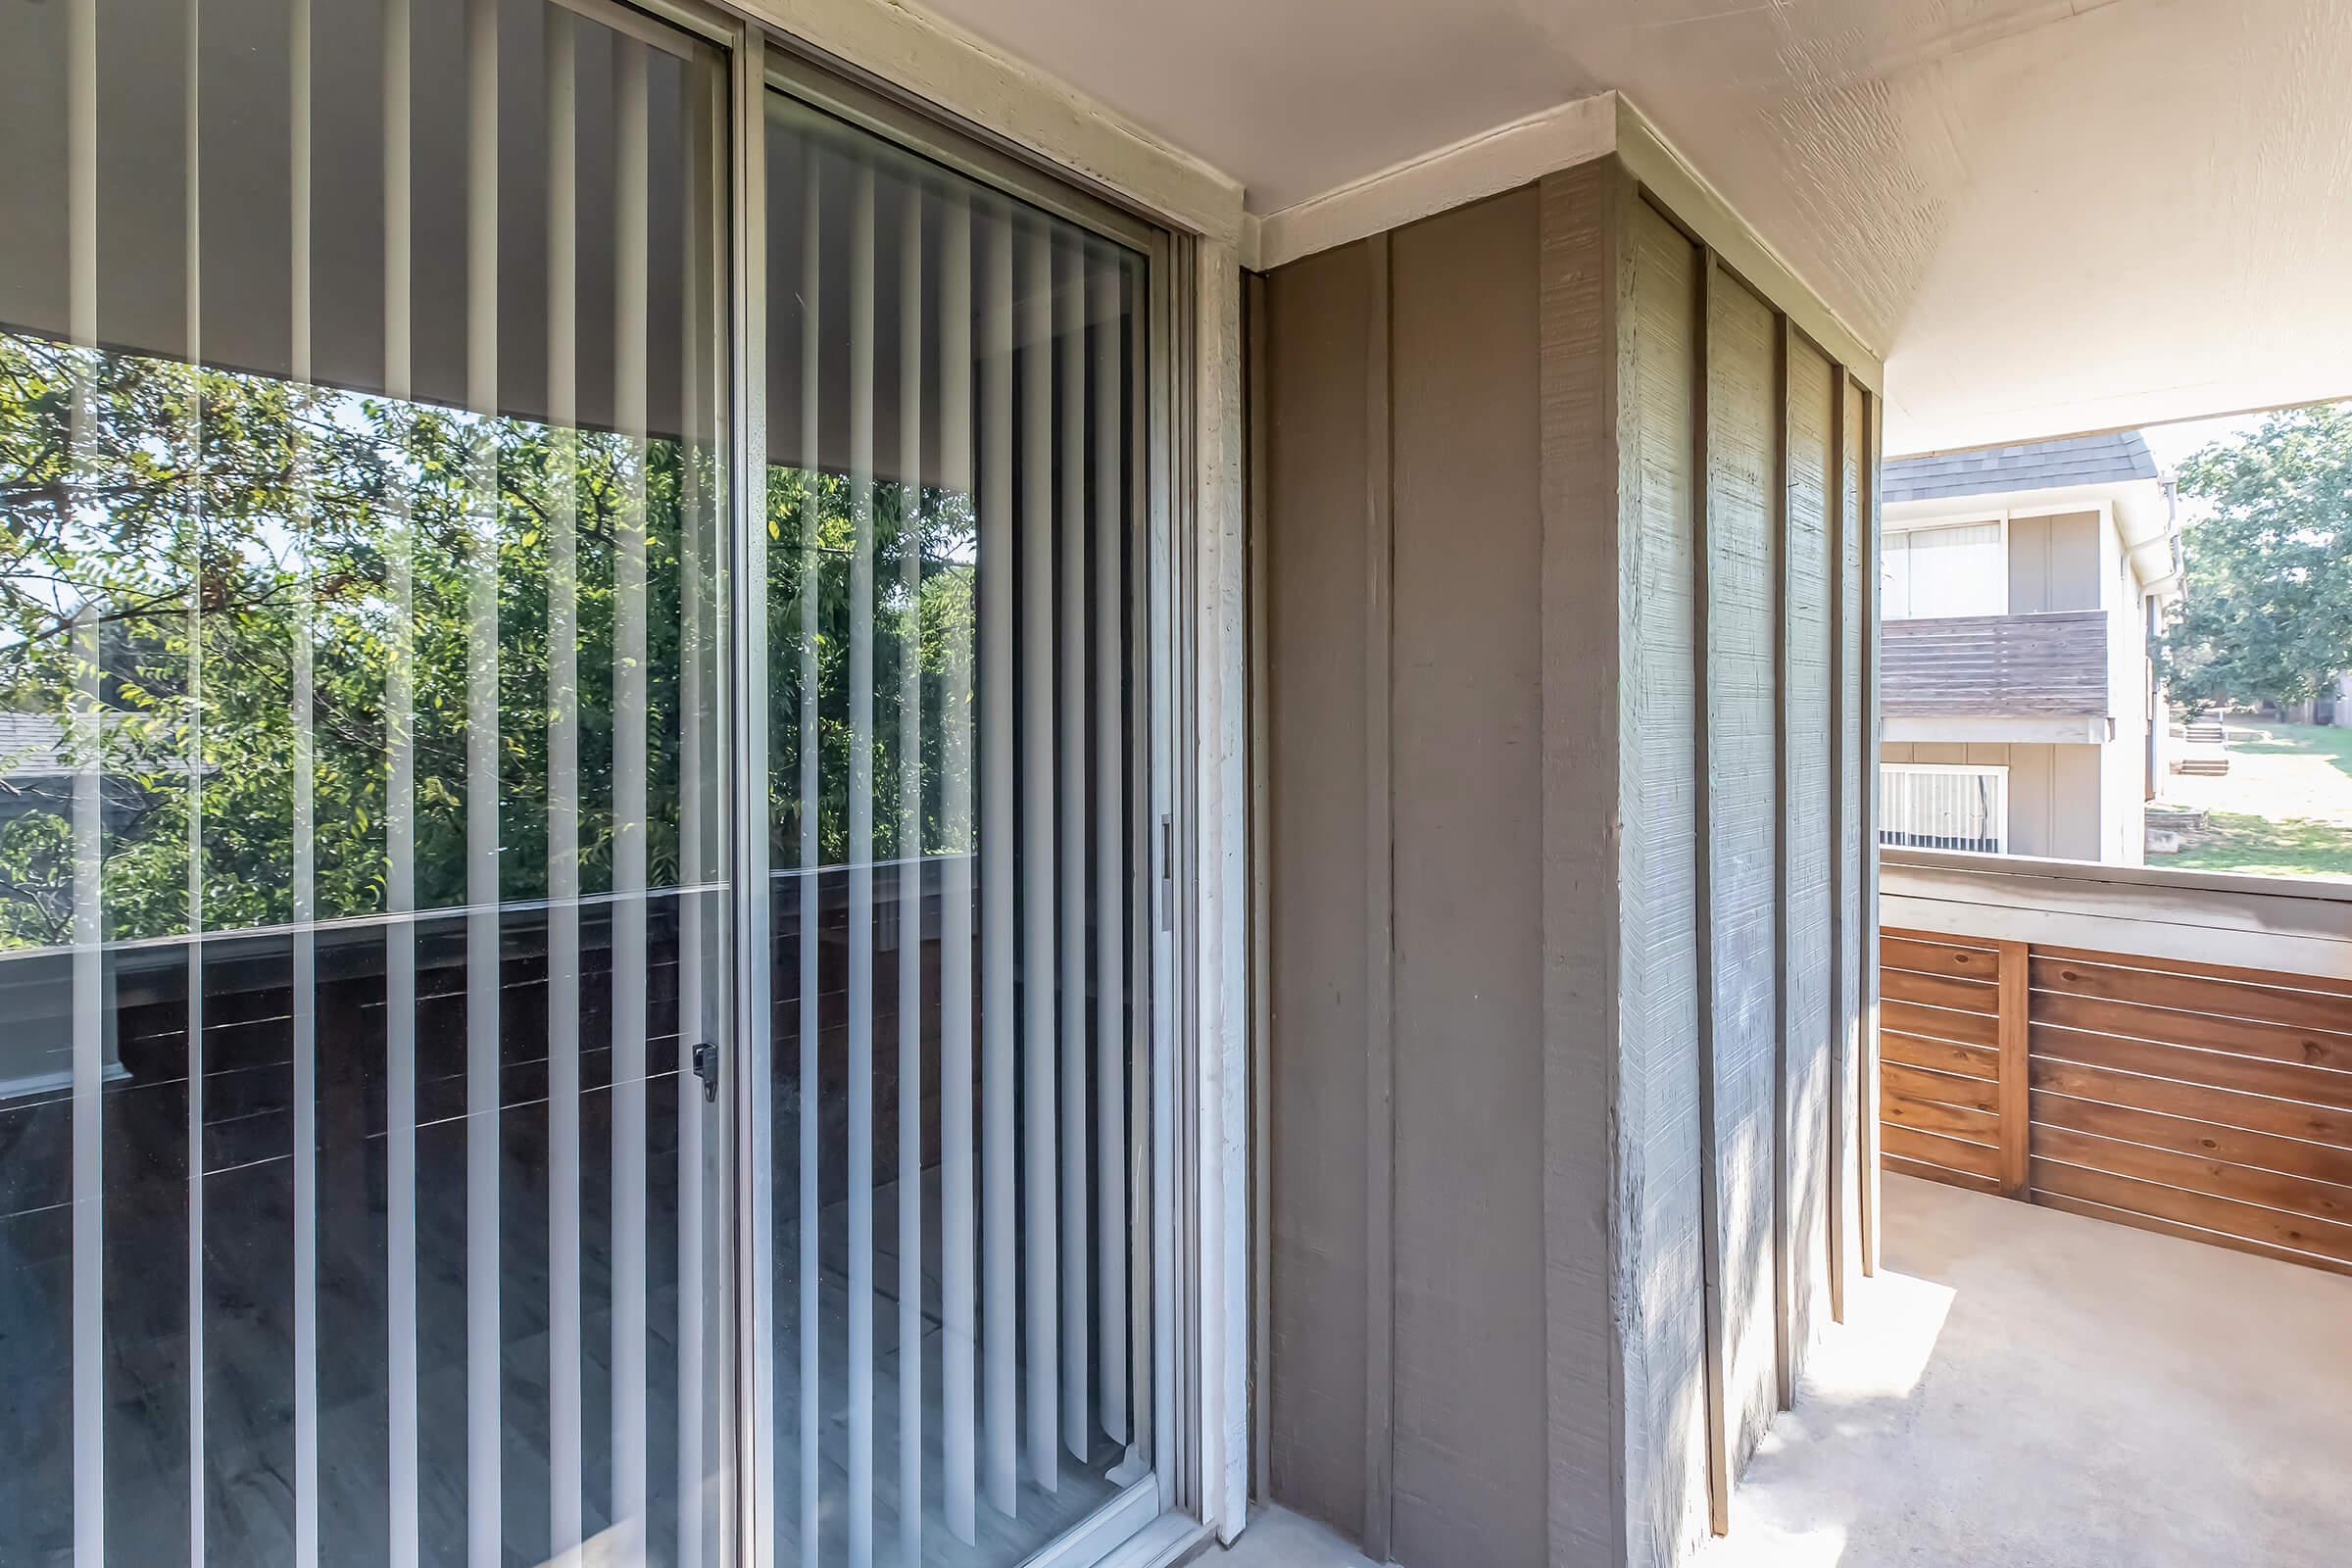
[(2016, 1068), (1996, 666), (2205, 1139), (1666, 1389), (1948, 1154), (1925, 1171), (1742, 811), (1944, 1023), (1941, 1055), (1589, 1147), (2187, 1233), (2207, 1031), (2282, 1118), (2245, 1184), (2215, 1069), (2154, 985), (1929, 954), (1807, 837), (2276, 1227)]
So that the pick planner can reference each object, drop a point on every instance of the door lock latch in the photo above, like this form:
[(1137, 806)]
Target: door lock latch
[(706, 1067)]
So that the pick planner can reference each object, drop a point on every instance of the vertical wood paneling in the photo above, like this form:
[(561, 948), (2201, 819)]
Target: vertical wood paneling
[(1806, 836), (1379, 985), (1857, 765), (1659, 998), (1646, 1199), (1862, 435), (1317, 773), (1467, 804), (1741, 683), (1580, 248)]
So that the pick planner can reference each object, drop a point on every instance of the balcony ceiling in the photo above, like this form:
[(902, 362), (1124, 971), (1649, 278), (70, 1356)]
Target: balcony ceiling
[(2051, 216)]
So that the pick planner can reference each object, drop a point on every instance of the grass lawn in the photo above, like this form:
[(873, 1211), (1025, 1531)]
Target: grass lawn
[(2283, 809)]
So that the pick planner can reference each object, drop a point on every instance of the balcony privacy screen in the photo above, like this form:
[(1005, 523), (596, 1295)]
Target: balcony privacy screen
[(409, 769)]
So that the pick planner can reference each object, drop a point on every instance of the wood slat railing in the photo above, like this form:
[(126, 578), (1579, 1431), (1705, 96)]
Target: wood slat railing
[(2195, 1100)]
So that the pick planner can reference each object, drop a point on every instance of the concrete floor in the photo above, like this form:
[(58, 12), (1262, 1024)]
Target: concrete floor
[(2024, 1389)]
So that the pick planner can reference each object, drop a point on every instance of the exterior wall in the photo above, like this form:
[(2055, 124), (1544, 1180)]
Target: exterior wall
[(1435, 321), (2055, 800), (2082, 802), (1565, 543), (2056, 563)]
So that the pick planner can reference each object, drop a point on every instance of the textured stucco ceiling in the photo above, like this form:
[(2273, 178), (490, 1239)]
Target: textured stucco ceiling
[(2050, 214)]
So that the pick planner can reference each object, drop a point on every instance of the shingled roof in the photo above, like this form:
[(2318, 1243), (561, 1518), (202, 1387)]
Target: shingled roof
[(2038, 466)]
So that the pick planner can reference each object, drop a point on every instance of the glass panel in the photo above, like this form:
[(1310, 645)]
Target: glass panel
[(959, 1361), (361, 888), (1935, 574)]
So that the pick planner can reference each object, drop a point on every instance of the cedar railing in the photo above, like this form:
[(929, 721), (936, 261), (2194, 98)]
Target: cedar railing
[(2192, 1098)]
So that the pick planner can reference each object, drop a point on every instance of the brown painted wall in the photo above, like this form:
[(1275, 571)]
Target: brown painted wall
[(1564, 707)]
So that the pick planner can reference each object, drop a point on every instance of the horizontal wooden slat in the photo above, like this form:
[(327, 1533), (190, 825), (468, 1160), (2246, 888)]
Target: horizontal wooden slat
[(2296, 980), (1940, 1055), (2207, 1031), (1940, 1087), (2257, 1112), (2292, 1156), (1940, 990), (2163, 986), (2243, 1183), (2297, 1232), (2281, 1080), (1955, 1121), (2006, 665), (1941, 1023), (1929, 954), (1952, 1154), (1897, 1166), (2187, 1233)]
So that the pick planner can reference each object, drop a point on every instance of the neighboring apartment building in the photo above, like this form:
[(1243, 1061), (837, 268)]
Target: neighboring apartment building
[(2020, 590)]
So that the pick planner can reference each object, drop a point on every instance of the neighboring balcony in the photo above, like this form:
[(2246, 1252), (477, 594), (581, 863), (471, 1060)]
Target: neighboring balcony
[(1997, 678)]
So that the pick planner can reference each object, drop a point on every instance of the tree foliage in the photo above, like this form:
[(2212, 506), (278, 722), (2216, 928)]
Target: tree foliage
[(2267, 611), (195, 526)]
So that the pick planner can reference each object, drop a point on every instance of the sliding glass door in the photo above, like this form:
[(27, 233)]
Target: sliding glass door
[(574, 744), (363, 901), (954, 1348)]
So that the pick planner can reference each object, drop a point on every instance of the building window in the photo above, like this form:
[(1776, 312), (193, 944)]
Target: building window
[(1934, 573), (1934, 805)]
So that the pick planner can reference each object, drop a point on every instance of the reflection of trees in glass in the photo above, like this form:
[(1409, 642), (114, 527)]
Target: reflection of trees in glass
[(292, 505)]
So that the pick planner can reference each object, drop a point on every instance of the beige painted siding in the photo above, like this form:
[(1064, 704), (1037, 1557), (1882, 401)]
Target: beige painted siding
[(2055, 563)]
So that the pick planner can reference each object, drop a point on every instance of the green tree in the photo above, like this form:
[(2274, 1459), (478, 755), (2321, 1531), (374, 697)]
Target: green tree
[(197, 523), (2267, 613)]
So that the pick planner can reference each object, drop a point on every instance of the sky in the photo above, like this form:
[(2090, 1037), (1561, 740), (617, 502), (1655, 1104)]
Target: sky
[(2172, 444)]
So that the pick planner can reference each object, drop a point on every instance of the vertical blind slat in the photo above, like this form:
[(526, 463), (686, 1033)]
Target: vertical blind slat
[(400, 819), (957, 1280), (911, 879), (861, 869), (631, 1067), (1110, 1083), (1070, 296), (997, 1064), (191, 184), (810, 373), (485, 1514), (1041, 1343), (88, 983), (306, 885), (564, 1326)]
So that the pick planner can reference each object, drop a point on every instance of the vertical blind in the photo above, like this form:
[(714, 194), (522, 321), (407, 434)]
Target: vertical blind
[(363, 894), (951, 430), (372, 634)]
